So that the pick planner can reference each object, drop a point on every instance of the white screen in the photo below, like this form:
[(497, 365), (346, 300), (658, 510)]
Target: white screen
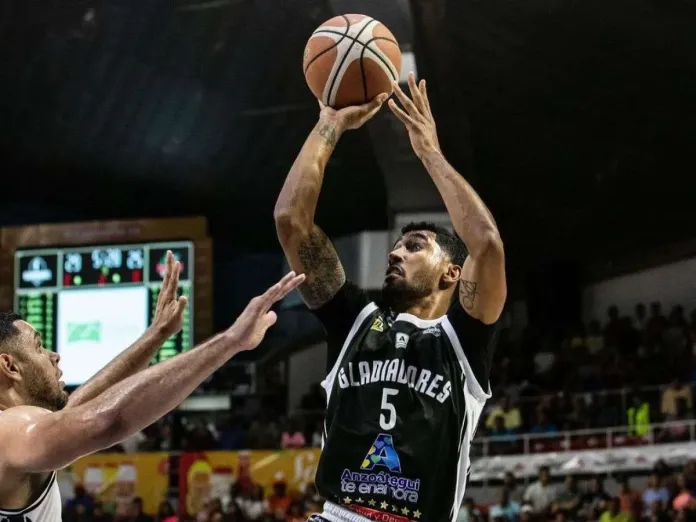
[(95, 325)]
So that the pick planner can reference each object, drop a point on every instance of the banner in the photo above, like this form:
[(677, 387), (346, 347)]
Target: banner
[(117, 478), (577, 462), (210, 474)]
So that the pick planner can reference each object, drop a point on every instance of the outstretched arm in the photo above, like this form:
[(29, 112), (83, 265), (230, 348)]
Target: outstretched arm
[(167, 322), (35, 440), (307, 249), (483, 287)]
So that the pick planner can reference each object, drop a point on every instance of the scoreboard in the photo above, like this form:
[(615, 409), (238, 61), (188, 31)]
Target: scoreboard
[(91, 303)]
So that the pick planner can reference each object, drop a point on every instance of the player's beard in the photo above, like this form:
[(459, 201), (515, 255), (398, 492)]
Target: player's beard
[(399, 293), (43, 391)]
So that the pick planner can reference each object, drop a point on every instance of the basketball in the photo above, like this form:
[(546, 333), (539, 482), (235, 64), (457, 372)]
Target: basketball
[(350, 59)]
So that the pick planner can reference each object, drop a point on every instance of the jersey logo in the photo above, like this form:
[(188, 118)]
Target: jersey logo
[(382, 453), (401, 340), (378, 325)]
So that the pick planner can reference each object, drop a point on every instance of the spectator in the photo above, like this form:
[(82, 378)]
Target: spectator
[(674, 391), (541, 494), (510, 483), (612, 329), (596, 499), (137, 513), (468, 512), (293, 437), (638, 416), (627, 497), (654, 493), (254, 506), (570, 499), (165, 512), (685, 498), (279, 501), (641, 316), (614, 512), (512, 419), (505, 509), (543, 424), (317, 435), (656, 325), (595, 341)]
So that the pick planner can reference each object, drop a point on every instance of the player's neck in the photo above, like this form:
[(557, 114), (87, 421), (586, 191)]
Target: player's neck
[(9, 398), (426, 308)]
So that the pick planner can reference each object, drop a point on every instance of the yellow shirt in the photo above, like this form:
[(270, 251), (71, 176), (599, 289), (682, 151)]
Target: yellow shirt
[(512, 418), (621, 516)]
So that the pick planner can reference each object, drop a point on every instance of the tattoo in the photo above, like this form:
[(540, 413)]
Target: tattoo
[(467, 294), (329, 133), (323, 269)]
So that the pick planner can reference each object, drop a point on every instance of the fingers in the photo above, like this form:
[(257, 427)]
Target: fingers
[(405, 118), (424, 94), (410, 107), (269, 319), (279, 290), (181, 304), (416, 94)]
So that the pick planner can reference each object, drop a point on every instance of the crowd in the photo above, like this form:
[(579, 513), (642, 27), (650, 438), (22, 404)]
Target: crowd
[(667, 497), (551, 384)]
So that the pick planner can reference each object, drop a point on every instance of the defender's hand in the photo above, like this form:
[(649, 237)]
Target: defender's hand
[(352, 117), (248, 330), (170, 308), (417, 117)]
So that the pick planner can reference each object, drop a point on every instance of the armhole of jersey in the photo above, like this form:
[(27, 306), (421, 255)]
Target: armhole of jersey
[(36, 503), (471, 382), (327, 383)]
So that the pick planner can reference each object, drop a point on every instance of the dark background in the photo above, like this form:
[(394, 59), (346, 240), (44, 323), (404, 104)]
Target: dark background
[(576, 121)]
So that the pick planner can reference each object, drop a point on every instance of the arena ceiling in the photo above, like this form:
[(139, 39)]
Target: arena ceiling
[(575, 119)]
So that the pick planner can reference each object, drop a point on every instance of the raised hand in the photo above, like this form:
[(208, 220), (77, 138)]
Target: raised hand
[(170, 308), (248, 330), (417, 117), (355, 116)]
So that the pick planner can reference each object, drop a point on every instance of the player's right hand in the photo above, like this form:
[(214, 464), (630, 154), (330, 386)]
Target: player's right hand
[(248, 330), (355, 116)]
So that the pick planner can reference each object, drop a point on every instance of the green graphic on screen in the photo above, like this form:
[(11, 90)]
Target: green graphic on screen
[(78, 332)]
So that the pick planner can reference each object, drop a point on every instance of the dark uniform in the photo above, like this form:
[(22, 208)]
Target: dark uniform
[(404, 399)]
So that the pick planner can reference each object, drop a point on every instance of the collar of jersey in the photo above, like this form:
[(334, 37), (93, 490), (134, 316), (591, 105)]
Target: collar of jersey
[(417, 321)]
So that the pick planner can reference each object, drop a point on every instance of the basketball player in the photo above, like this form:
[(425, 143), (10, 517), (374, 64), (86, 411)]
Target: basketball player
[(408, 377), (43, 430)]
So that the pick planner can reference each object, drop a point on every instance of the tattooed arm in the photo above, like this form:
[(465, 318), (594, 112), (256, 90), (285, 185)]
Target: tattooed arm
[(482, 286), (307, 248)]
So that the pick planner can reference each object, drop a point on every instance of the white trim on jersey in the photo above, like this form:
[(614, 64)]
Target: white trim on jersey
[(327, 383), (417, 321), (471, 381)]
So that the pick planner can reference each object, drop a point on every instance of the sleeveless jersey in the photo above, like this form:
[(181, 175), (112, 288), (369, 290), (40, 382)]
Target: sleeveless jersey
[(404, 398), (46, 508)]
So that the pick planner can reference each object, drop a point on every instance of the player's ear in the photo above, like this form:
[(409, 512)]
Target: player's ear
[(9, 367), (452, 274)]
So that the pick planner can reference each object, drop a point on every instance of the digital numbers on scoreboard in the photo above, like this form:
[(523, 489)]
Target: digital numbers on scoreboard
[(90, 303)]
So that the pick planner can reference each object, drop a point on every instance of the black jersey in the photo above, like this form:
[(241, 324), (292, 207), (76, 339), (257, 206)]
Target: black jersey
[(404, 398)]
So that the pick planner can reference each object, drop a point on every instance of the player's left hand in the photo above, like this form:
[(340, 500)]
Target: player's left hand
[(417, 116), (169, 313)]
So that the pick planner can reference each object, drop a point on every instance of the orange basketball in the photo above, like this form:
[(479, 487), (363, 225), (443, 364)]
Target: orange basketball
[(350, 59)]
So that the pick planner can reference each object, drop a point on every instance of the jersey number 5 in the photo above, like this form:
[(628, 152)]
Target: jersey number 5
[(387, 422)]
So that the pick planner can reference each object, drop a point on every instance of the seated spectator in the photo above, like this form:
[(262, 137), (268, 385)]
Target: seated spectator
[(654, 493), (627, 497), (596, 499), (138, 513), (510, 483), (541, 494), (543, 424), (614, 512), (279, 501), (294, 436), (512, 419), (570, 499), (685, 498), (468, 512), (505, 509)]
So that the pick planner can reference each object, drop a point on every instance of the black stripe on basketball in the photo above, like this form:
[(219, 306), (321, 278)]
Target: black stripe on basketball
[(345, 55), (335, 44), (366, 47)]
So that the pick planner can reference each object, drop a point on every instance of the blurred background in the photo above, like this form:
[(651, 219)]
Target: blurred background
[(128, 127)]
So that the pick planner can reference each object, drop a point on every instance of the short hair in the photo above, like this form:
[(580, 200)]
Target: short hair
[(448, 241), (8, 330)]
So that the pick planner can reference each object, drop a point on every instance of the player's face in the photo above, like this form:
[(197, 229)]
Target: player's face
[(415, 268), (40, 384)]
